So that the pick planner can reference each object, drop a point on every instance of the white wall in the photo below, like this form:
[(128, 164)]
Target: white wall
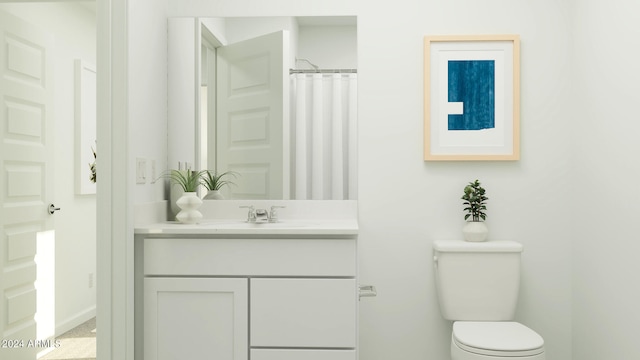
[(529, 199), (148, 94), (406, 203), (328, 47), (74, 29), (606, 287)]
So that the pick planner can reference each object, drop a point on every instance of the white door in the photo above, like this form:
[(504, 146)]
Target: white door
[(253, 116), (25, 176), (196, 318)]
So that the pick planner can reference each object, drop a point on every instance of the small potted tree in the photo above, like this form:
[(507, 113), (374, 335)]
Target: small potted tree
[(214, 183), (474, 199)]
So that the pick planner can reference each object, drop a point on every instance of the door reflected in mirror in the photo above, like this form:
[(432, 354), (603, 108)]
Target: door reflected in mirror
[(277, 105)]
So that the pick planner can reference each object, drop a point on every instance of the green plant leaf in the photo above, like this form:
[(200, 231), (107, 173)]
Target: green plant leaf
[(212, 181), (474, 196), (188, 180)]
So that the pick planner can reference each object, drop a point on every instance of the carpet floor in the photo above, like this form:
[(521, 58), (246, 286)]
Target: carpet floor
[(78, 343)]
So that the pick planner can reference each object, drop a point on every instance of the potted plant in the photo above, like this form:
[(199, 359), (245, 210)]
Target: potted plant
[(189, 202), (213, 183), (474, 199), (189, 180)]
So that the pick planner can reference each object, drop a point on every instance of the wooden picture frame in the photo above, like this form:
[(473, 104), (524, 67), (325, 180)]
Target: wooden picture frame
[(472, 97)]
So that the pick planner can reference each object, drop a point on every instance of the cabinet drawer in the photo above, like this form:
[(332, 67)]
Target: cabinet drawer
[(240, 257), (312, 313), (291, 354)]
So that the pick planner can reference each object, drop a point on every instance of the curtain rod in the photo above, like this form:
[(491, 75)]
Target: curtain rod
[(319, 71)]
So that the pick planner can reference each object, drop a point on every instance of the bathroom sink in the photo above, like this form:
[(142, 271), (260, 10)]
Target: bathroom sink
[(232, 224)]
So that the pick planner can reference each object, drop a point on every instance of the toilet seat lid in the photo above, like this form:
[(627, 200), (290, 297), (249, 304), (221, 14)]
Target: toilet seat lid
[(503, 338)]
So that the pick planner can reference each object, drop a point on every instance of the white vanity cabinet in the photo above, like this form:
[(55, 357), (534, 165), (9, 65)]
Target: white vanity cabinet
[(246, 297)]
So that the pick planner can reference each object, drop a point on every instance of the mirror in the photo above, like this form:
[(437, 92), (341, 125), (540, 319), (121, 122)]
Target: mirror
[(275, 102)]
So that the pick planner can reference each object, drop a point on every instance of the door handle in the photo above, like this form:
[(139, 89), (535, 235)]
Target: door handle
[(53, 209)]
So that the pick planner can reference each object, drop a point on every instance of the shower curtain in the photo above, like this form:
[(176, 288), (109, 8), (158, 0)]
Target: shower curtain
[(324, 119)]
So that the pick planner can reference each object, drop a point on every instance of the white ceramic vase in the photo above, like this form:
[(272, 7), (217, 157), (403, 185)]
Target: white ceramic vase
[(175, 193), (189, 203), (475, 231), (213, 195)]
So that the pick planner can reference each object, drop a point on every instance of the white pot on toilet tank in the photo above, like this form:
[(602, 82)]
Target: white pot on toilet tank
[(475, 231)]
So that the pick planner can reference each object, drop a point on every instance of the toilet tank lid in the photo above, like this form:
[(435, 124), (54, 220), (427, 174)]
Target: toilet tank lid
[(468, 246)]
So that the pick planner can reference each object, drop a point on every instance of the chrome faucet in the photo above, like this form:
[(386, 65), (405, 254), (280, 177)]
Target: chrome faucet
[(261, 215), (251, 214), (273, 214)]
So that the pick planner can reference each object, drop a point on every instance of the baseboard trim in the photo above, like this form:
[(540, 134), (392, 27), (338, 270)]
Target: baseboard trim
[(75, 320)]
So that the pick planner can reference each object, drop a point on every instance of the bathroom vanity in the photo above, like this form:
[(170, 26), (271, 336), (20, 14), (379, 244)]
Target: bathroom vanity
[(228, 289)]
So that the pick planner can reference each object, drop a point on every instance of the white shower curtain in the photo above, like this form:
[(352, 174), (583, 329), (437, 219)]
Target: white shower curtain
[(324, 119)]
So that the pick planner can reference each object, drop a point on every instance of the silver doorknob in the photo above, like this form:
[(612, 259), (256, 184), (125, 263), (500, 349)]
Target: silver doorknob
[(53, 209)]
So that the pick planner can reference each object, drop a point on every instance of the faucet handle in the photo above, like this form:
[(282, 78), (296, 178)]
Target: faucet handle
[(273, 214), (251, 214)]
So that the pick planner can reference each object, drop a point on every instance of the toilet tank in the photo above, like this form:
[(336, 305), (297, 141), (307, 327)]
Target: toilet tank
[(477, 281)]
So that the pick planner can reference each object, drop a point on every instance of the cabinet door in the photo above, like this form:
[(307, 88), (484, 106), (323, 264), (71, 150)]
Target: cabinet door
[(308, 313), (187, 318)]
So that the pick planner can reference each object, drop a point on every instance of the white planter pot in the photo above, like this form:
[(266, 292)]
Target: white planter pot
[(213, 195), (475, 231), (189, 203), (175, 192)]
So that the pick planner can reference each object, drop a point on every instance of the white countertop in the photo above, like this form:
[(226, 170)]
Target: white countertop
[(239, 227)]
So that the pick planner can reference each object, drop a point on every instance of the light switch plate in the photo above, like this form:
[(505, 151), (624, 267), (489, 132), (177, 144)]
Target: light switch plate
[(153, 171), (141, 171)]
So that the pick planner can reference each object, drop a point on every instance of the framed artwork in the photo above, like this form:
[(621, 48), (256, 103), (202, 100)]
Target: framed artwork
[(85, 124), (472, 97)]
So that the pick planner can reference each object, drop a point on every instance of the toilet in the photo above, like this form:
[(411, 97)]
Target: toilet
[(477, 285)]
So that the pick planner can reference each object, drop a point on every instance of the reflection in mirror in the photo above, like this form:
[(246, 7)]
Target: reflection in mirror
[(278, 106)]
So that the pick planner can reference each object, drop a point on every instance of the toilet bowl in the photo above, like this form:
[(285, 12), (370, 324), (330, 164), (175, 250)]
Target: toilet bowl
[(489, 340)]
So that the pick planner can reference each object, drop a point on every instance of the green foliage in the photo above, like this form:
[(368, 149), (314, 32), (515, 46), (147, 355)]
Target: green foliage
[(188, 180), (474, 198), (92, 167), (211, 181)]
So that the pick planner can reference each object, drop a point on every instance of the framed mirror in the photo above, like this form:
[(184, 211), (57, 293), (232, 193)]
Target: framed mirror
[(272, 99)]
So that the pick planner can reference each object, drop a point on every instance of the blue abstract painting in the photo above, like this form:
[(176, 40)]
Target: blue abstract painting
[(472, 83)]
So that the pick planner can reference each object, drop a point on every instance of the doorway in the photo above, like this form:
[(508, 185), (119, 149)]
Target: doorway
[(72, 244)]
